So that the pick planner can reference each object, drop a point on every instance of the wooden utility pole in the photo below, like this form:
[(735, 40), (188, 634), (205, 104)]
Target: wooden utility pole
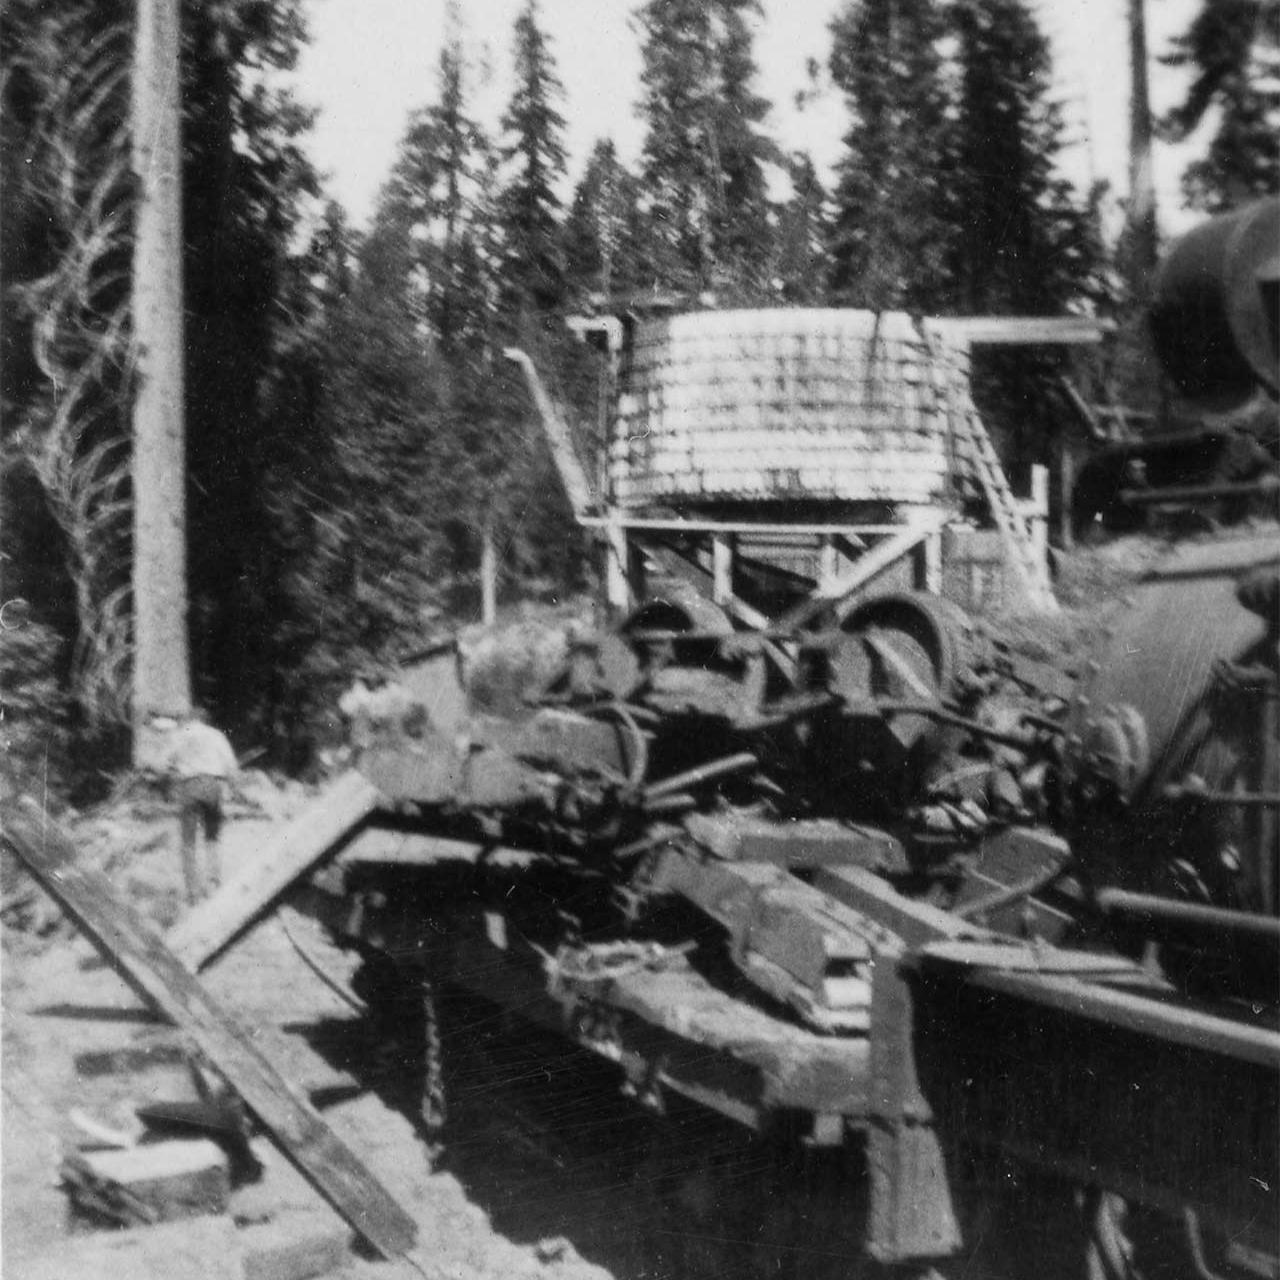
[(1142, 186), (161, 660)]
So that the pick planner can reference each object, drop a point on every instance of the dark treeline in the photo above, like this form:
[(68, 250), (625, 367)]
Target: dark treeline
[(353, 428)]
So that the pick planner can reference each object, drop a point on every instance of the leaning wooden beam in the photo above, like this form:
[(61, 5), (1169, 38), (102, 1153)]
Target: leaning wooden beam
[(155, 974), (581, 493), (866, 567), (208, 929)]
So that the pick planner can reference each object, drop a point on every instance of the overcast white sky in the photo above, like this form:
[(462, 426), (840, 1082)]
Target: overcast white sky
[(371, 62)]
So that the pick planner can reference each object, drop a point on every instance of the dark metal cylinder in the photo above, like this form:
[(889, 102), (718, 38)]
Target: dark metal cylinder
[(1214, 309), (1192, 916)]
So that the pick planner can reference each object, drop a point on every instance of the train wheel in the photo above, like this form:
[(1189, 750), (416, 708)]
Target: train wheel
[(1128, 1242)]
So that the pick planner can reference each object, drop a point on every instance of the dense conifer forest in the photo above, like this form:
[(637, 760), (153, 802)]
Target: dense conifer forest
[(353, 429)]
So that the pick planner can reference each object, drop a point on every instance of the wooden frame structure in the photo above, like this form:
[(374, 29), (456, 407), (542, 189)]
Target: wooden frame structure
[(847, 554)]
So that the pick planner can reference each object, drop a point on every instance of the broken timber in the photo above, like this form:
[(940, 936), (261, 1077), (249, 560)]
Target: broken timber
[(155, 973), (206, 930)]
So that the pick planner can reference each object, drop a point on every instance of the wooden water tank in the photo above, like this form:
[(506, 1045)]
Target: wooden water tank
[(727, 406)]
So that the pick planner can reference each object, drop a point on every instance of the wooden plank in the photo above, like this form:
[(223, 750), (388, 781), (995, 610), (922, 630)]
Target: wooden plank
[(581, 493), (722, 550), (694, 525), (417, 849), (1020, 330), (130, 1059), (208, 929), (157, 976)]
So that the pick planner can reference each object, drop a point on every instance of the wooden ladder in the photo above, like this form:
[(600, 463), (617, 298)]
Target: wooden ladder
[(977, 457)]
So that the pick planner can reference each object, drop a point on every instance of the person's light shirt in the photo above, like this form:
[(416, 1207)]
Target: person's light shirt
[(198, 750)]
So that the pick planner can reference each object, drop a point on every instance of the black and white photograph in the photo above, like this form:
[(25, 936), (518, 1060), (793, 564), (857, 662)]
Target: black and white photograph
[(640, 639)]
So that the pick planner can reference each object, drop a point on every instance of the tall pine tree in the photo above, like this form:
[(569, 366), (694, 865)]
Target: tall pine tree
[(801, 238), (246, 183), (607, 242), (1233, 50), (468, 260), (533, 146), (705, 150), (1019, 239), (441, 192), (889, 237)]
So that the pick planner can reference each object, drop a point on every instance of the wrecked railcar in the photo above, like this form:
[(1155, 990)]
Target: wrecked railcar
[(922, 917)]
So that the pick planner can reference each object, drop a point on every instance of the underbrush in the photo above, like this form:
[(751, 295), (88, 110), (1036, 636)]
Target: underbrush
[(35, 711)]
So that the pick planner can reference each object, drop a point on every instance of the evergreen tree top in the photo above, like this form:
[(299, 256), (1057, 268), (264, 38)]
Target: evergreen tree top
[(528, 206), (1233, 50), (705, 148)]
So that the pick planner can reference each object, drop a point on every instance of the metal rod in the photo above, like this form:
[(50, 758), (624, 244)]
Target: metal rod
[(1195, 492), (808, 639), (789, 708), (648, 841), (721, 768), (1037, 721), (677, 802), (934, 712), (1121, 902), (1173, 1023), (1195, 1245), (1239, 799)]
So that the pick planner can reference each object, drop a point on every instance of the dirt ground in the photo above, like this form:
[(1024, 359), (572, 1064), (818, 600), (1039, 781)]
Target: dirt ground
[(62, 1006)]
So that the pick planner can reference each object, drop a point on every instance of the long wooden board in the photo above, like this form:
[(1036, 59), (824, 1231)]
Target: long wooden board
[(158, 977), (1021, 330), (208, 929)]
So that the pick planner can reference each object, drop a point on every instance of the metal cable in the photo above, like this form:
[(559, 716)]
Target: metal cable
[(336, 985)]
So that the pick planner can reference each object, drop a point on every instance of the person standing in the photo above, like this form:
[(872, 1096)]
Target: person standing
[(200, 764)]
